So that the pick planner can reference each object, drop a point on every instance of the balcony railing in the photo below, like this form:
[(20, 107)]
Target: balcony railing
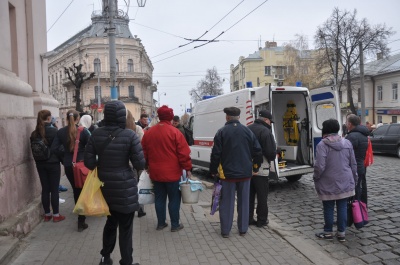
[(136, 75), (279, 77)]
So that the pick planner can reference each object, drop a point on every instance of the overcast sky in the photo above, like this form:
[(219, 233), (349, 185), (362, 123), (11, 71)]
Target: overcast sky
[(162, 26)]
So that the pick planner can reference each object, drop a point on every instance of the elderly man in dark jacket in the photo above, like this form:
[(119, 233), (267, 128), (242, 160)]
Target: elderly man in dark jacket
[(259, 184), (235, 151), (358, 136), (115, 146)]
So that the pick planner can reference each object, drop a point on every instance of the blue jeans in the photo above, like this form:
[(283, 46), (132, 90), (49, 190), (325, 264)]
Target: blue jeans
[(161, 191), (341, 210)]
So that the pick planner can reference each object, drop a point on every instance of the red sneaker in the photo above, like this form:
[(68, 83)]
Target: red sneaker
[(47, 218), (58, 218)]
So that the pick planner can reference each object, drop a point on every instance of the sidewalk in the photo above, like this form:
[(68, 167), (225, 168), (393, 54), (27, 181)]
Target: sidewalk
[(199, 242)]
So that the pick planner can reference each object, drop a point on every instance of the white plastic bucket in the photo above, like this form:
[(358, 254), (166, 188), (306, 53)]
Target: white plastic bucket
[(189, 196)]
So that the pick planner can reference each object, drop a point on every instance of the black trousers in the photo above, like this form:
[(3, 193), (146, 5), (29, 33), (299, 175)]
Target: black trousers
[(125, 223), (259, 186), (70, 176), (49, 174), (364, 196)]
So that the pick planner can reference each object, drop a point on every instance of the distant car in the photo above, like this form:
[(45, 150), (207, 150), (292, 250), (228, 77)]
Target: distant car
[(386, 139)]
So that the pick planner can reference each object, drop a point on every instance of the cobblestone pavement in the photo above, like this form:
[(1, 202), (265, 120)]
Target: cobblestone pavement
[(296, 208), (199, 242)]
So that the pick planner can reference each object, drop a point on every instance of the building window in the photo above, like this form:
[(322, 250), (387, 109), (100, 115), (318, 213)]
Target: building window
[(267, 70), (56, 78), (280, 70), (290, 69), (130, 66), (359, 94), (52, 79), (97, 92), (13, 37), (379, 119), (340, 96), (117, 67), (131, 91), (97, 65), (380, 93), (394, 120), (394, 91), (244, 73)]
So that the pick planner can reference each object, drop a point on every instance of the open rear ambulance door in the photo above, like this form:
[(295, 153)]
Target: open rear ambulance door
[(324, 104), (274, 166)]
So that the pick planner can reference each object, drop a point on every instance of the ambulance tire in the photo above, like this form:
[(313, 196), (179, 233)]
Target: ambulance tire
[(294, 178)]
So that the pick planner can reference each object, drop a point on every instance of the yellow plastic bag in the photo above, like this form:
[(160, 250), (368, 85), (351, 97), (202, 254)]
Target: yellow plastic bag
[(91, 201)]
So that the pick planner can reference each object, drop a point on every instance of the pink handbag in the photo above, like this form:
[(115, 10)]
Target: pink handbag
[(360, 214)]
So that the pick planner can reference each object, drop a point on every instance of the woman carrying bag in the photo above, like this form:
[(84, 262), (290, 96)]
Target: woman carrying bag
[(120, 185), (66, 137), (335, 175)]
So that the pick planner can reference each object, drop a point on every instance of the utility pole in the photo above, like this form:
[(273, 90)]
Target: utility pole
[(113, 59), (362, 84), (98, 93)]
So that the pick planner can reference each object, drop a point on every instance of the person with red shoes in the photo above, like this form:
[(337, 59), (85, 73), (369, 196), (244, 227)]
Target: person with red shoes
[(167, 154), (65, 141), (47, 165)]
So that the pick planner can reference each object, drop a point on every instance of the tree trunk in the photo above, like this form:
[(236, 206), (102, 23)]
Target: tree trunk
[(350, 93), (78, 106)]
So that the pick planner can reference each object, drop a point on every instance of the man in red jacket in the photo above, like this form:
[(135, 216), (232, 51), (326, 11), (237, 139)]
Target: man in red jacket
[(167, 154)]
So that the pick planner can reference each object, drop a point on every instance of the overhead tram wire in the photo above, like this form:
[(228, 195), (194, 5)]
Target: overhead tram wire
[(232, 25), (213, 40), (198, 39), (191, 40), (157, 30), (60, 16)]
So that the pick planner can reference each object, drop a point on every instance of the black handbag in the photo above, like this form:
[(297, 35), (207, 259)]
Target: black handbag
[(350, 220)]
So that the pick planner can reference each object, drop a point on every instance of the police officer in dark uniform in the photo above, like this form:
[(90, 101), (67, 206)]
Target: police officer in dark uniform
[(235, 151), (259, 184)]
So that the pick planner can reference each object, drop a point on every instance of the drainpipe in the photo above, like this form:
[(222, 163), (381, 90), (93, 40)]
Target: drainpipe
[(373, 99)]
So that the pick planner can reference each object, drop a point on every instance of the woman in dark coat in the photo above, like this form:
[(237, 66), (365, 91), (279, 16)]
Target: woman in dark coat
[(49, 170), (65, 140), (120, 186)]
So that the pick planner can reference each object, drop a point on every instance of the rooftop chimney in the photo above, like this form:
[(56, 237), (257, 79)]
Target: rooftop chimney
[(270, 44)]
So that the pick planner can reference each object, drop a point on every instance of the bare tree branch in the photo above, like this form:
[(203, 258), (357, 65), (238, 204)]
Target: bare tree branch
[(340, 36)]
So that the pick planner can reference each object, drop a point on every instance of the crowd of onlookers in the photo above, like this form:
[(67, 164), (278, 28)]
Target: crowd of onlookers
[(121, 149)]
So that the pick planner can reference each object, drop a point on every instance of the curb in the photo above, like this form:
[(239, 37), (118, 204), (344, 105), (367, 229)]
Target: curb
[(312, 253), (8, 246), (309, 251), (17, 227)]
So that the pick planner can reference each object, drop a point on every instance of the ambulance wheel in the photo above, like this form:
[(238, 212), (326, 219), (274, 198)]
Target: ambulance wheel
[(294, 178)]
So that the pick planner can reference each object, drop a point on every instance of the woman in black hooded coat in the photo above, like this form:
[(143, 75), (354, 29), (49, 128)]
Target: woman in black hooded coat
[(120, 186)]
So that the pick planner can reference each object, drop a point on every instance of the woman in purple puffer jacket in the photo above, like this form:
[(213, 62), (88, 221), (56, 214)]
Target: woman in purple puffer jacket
[(335, 175)]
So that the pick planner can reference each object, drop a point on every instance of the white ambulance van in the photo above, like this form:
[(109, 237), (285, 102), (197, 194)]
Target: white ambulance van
[(298, 114)]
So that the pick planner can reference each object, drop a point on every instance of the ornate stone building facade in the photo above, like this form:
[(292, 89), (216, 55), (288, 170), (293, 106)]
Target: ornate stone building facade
[(90, 47), (23, 92)]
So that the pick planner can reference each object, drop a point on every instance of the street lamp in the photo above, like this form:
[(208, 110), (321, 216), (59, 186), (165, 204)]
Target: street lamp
[(193, 91), (141, 3), (163, 94)]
